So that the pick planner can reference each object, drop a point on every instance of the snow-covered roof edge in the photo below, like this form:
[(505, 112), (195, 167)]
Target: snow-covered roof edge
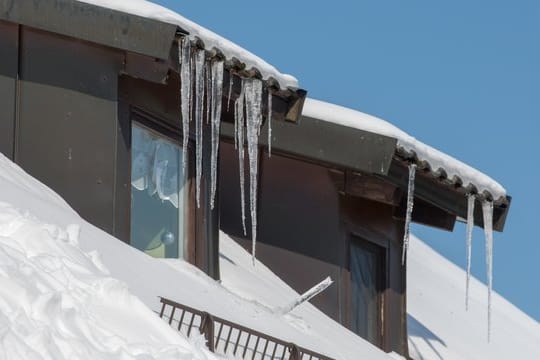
[(210, 39), (437, 160)]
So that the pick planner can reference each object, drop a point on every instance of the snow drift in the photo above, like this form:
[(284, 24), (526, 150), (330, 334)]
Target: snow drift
[(58, 302)]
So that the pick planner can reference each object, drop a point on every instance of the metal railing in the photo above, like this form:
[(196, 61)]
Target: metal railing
[(226, 337)]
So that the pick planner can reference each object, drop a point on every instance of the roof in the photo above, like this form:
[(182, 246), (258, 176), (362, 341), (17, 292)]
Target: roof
[(134, 25), (407, 146), (442, 180), (210, 39)]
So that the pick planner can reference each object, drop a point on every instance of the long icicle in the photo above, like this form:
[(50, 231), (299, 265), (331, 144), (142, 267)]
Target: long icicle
[(217, 93), (487, 210), (269, 119), (471, 198), (185, 95), (209, 91), (199, 115), (408, 213), (239, 120), (253, 94), (231, 82)]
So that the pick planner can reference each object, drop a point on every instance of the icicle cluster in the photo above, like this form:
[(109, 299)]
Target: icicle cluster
[(470, 224), (487, 210), (204, 100), (409, 210), (208, 79), (248, 115)]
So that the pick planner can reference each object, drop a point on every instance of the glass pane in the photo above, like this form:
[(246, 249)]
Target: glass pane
[(157, 195), (364, 291)]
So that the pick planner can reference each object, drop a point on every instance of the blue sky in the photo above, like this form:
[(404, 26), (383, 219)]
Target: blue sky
[(463, 76)]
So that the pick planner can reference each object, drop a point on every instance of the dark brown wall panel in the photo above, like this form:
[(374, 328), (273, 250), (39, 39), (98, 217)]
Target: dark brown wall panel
[(8, 80), (301, 273), (298, 232), (68, 121)]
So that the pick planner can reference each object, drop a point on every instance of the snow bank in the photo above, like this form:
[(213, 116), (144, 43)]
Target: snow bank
[(147, 278), (437, 160), (57, 302), (150, 10), (440, 328)]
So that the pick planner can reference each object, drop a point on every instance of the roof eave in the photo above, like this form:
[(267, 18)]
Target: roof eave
[(95, 24), (447, 194)]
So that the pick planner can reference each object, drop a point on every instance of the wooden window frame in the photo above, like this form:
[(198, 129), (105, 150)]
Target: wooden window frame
[(381, 249)]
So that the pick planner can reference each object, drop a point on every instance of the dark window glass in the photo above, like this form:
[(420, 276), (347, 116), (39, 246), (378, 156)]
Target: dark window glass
[(366, 275), (157, 194)]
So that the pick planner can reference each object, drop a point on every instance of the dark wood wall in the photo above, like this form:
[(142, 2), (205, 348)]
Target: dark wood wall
[(9, 43), (59, 116)]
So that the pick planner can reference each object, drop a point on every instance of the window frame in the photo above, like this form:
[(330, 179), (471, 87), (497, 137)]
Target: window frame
[(381, 249)]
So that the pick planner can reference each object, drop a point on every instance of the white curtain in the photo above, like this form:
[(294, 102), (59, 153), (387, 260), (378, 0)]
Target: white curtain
[(156, 166)]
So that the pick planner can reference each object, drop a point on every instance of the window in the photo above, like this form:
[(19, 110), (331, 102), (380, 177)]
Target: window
[(158, 194), (366, 261)]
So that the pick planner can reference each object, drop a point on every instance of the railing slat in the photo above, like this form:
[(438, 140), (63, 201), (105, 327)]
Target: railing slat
[(228, 338), (181, 320)]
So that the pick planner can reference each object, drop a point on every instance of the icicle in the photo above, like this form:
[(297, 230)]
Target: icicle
[(231, 81), (185, 95), (199, 114), (409, 210), (217, 93), (487, 210), (470, 224), (308, 295), (239, 135), (209, 91), (253, 95), (269, 119)]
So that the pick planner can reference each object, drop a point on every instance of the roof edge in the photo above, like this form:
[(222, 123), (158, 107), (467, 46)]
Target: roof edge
[(95, 24)]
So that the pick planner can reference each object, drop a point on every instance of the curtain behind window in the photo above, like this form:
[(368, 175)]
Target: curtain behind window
[(365, 268)]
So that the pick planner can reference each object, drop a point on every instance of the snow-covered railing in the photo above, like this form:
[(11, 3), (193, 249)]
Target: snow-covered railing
[(226, 337)]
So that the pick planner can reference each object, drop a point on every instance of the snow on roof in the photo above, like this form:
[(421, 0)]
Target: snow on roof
[(58, 302), (260, 285), (150, 10), (440, 328), (438, 325), (147, 278), (437, 160)]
